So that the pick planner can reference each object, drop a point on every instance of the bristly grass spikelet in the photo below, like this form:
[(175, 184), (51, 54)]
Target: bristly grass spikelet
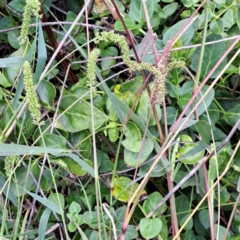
[(9, 162), (159, 73), (32, 7), (91, 67), (33, 102)]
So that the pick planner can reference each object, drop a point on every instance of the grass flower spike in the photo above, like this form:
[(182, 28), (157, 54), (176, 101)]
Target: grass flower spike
[(31, 94), (9, 162), (159, 73), (32, 7), (91, 67)]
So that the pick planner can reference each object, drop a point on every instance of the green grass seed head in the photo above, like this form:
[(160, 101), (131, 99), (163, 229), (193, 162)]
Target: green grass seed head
[(33, 102)]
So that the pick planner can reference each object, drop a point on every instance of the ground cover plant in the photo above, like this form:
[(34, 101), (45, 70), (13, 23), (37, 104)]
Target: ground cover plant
[(120, 119)]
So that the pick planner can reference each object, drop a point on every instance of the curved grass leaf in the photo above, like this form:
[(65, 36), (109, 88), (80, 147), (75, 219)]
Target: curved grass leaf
[(52, 206), (17, 149), (43, 223)]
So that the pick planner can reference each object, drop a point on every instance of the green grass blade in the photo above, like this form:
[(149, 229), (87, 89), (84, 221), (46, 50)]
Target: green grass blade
[(43, 223)]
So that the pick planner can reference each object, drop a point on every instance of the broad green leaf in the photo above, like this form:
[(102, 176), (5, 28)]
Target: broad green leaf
[(229, 18), (8, 192), (164, 231), (170, 9), (203, 106), (133, 138), (3, 80), (204, 129), (38, 134), (113, 134), (43, 223), (150, 228), (158, 171), (180, 175), (213, 112), (172, 89), (136, 10), (190, 122), (212, 53), (189, 225), (81, 142), (5, 23), (106, 65), (233, 115), (13, 38), (131, 158), (183, 208), (220, 2), (18, 5), (12, 65), (72, 227), (74, 207), (217, 26), (120, 214), (199, 229), (122, 188), (224, 194), (151, 202), (220, 232), (104, 162), (80, 162), (185, 146), (143, 109), (46, 91), (82, 92), (17, 149), (78, 117), (189, 235), (54, 141), (58, 199), (75, 168), (185, 37), (132, 86), (91, 218), (189, 3), (131, 25), (204, 218), (228, 100), (131, 232), (171, 115)]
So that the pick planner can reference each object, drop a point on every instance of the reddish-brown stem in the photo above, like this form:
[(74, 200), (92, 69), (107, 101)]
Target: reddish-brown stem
[(173, 129)]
